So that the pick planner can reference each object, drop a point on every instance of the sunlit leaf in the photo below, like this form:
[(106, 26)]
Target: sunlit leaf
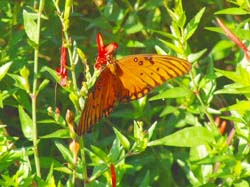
[(124, 141), (172, 93), (30, 26), (193, 24), (26, 123), (61, 133), (4, 69), (188, 137), (232, 11)]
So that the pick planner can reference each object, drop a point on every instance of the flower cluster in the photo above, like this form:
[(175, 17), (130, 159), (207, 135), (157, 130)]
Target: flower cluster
[(104, 51)]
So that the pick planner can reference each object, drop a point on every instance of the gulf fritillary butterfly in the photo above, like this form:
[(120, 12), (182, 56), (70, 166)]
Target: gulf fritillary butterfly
[(125, 79)]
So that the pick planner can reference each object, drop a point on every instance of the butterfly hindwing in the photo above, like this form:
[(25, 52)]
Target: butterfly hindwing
[(100, 101)]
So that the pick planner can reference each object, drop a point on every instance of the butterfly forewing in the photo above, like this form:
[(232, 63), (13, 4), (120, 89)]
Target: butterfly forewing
[(141, 73)]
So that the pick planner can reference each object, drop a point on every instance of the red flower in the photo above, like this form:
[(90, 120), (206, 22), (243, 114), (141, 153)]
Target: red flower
[(62, 71), (113, 175), (104, 52)]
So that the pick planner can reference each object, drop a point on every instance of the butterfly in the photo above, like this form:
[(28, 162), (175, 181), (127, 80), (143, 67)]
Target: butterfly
[(126, 79)]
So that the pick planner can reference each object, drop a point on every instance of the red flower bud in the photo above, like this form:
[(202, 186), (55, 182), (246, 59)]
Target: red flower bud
[(62, 70)]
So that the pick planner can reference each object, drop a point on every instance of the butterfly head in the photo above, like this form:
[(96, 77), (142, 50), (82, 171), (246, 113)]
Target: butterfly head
[(105, 53)]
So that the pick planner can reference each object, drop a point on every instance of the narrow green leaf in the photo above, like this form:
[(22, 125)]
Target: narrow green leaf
[(168, 110), (114, 152), (4, 69), (43, 85), (61, 133), (146, 180), (240, 76), (151, 130), (20, 82), (134, 28), (196, 56), (174, 92), (234, 88), (134, 43), (26, 123), (188, 137), (159, 50), (232, 11), (172, 46), (67, 155), (193, 24), (166, 34), (240, 106), (124, 141), (100, 153)]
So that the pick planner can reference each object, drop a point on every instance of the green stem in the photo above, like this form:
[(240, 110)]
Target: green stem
[(72, 65), (201, 101), (68, 42), (34, 92), (84, 166)]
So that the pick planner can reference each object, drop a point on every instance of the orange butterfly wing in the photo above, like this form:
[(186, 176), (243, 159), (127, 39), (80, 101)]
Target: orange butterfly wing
[(141, 73), (126, 79), (100, 101)]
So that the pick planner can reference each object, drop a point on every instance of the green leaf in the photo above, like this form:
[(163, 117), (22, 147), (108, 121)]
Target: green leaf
[(188, 137), (43, 85), (95, 159), (115, 150), (146, 180), (234, 88), (134, 28), (151, 130), (174, 92), (166, 34), (52, 72), (240, 106), (172, 46), (241, 75), (232, 11), (67, 155), (196, 56), (100, 153), (4, 69), (124, 141), (30, 26), (26, 123), (193, 24), (135, 43), (221, 49), (61, 133), (168, 110), (159, 50), (20, 82), (4, 95)]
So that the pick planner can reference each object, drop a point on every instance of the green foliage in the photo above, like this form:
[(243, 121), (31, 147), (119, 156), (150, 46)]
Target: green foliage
[(191, 131)]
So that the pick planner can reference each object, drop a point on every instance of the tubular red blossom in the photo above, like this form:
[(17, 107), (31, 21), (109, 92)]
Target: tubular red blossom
[(113, 175), (103, 51), (234, 38), (62, 70)]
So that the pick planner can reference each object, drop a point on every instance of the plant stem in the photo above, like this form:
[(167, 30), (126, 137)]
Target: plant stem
[(197, 94), (34, 92), (84, 166)]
